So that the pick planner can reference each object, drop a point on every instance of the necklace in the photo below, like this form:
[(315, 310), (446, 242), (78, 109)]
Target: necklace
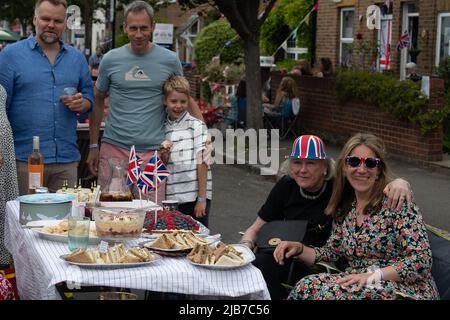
[(313, 197)]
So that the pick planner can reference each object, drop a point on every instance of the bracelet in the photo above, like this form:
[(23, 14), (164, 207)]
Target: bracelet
[(301, 251), (199, 199), (381, 274), (93, 146)]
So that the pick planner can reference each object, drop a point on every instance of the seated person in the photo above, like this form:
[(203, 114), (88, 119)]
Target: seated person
[(303, 195), (325, 68), (304, 67), (387, 250), (287, 90)]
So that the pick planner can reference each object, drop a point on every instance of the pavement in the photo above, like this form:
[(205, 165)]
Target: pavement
[(430, 182)]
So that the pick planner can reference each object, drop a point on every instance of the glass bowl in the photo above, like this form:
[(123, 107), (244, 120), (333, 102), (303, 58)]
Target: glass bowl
[(118, 224)]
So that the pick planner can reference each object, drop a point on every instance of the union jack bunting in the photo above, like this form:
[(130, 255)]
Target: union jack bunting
[(404, 41), (153, 174), (134, 169)]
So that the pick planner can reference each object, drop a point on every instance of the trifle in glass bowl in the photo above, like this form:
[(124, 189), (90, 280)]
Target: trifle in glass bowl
[(118, 224)]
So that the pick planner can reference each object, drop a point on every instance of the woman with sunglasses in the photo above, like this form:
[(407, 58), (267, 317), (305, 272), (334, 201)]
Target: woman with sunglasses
[(303, 194), (387, 250)]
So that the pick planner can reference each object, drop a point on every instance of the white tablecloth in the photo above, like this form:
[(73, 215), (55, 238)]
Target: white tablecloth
[(39, 268)]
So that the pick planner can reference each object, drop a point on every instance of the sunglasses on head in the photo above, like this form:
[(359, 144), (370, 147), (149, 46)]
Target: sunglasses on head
[(355, 161)]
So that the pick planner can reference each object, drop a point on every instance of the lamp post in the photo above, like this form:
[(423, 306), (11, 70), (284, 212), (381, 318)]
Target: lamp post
[(113, 23)]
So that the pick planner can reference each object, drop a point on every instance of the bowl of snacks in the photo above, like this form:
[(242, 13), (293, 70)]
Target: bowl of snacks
[(117, 224)]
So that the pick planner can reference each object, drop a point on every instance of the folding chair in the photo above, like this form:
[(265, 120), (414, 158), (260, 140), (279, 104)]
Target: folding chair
[(286, 119)]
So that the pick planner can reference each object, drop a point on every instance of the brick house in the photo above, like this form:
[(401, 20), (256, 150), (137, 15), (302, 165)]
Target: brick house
[(186, 26), (341, 28)]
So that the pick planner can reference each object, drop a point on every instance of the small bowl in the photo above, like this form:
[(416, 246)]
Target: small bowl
[(118, 224)]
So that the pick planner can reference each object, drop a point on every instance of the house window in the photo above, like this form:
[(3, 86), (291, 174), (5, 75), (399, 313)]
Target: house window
[(443, 38), (346, 39), (292, 41)]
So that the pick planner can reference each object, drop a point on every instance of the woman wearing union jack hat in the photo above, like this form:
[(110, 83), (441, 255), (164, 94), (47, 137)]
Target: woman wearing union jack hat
[(387, 250), (303, 194)]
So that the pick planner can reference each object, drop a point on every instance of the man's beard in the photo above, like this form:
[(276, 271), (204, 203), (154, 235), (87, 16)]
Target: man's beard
[(48, 40)]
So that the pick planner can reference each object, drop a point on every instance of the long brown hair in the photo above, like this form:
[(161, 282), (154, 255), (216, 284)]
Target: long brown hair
[(289, 86), (343, 193)]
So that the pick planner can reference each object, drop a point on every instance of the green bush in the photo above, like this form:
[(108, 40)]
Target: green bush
[(402, 99), (281, 21), (212, 41), (230, 73)]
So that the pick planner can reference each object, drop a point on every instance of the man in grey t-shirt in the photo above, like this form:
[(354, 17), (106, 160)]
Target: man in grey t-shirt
[(133, 76)]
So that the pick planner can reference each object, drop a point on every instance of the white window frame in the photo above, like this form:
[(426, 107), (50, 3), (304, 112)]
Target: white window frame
[(438, 36), (341, 39), (405, 25)]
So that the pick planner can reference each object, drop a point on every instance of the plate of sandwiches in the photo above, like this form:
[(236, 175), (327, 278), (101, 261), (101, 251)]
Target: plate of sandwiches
[(115, 257), (56, 230), (180, 242), (222, 257)]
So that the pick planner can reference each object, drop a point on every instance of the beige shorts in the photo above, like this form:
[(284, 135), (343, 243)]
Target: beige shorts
[(55, 175), (108, 151)]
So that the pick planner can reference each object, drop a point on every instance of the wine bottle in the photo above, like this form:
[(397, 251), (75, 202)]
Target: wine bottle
[(35, 167)]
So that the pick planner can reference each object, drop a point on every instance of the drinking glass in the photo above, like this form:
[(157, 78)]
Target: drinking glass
[(78, 232)]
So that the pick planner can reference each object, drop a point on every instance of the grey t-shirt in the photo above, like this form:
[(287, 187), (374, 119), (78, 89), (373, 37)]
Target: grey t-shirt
[(135, 85)]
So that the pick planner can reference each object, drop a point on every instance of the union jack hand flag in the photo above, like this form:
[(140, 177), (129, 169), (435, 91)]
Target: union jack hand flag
[(404, 41), (154, 173), (134, 169)]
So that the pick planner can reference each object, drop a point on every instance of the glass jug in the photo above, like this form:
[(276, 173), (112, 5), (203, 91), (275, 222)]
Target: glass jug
[(116, 189)]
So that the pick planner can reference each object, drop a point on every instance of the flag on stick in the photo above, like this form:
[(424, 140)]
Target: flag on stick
[(153, 174), (403, 42), (134, 169)]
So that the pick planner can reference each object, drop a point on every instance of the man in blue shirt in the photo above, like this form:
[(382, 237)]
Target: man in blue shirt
[(94, 60), (35, 72)]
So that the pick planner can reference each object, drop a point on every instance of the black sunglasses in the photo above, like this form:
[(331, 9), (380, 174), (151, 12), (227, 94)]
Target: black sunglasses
[(355, 161)]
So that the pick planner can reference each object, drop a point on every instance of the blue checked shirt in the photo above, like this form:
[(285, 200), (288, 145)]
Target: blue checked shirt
[(33, 104)]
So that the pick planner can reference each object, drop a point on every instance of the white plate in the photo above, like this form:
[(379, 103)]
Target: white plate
[(59, 237), (113, 265), (247, 254)]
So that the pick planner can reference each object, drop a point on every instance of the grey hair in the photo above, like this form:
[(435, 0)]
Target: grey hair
[(138, 6), (285, 169)]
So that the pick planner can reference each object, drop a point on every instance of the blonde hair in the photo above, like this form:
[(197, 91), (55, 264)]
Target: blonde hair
[(343, 193), (178, 84)]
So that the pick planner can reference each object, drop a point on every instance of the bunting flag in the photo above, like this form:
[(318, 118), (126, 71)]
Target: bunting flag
[(153, 174), (403, 42), (134, 169), (315, 7)]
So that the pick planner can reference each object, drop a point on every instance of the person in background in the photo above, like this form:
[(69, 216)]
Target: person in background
[(325, 68), (35, 71), (241, 94), (9, 189), (94, 60), (411, 73), (305, 67), (133, 76), (286, 91), (304, 194), (190, 180), (387, 250)]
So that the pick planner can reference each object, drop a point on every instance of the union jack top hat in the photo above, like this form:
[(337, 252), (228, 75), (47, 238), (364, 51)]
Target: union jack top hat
[(308, 147)]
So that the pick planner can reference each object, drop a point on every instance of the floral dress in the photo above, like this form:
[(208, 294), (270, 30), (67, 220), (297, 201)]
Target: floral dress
[(8, 175), (386, 238)]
